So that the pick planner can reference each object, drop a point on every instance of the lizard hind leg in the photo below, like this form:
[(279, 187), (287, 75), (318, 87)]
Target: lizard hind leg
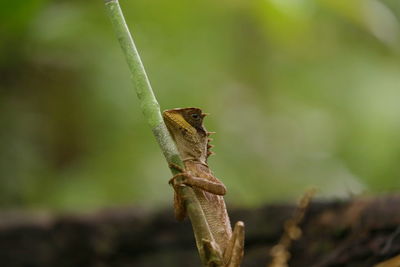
[(234, 251), (212, 253)]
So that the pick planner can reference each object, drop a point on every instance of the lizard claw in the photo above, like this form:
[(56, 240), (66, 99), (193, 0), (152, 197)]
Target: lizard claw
[(179, 179)]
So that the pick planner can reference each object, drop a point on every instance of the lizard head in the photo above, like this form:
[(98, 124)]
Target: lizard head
[(186, 127)]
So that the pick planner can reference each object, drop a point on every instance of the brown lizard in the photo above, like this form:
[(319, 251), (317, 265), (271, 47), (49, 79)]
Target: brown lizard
[(192, 140)]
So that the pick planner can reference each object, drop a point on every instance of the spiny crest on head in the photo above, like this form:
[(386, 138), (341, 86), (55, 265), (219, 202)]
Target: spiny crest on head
[(209, 146)]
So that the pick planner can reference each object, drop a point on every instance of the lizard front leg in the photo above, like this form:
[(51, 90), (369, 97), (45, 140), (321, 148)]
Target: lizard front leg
[(233, 253), (214, 187), (176, 167), (183, 178)]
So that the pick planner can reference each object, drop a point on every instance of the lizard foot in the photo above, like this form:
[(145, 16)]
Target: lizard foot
[(179, 179), (212, 253), (234, 252)]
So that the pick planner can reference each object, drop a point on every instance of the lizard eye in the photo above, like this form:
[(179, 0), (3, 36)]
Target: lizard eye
[(195, 116)]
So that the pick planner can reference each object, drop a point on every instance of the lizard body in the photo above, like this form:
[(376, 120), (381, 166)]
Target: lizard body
[(186, 128)]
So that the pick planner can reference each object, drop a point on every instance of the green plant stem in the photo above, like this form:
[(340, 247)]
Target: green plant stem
[(151, 111)]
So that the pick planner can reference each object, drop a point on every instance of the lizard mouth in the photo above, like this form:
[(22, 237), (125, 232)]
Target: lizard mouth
[(174, 119)]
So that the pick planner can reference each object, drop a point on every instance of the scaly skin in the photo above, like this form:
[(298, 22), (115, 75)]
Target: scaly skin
[(186, 127)]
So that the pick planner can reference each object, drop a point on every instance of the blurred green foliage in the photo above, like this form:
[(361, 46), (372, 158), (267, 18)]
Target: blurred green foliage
[(301, 92)]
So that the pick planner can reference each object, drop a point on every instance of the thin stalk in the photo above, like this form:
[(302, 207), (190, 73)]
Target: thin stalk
[(152, 114)]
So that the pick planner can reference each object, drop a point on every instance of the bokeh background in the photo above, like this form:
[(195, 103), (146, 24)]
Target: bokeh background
[(302, 93)]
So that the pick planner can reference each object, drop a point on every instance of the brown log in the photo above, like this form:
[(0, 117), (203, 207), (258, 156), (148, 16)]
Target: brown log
[(361, 232)]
